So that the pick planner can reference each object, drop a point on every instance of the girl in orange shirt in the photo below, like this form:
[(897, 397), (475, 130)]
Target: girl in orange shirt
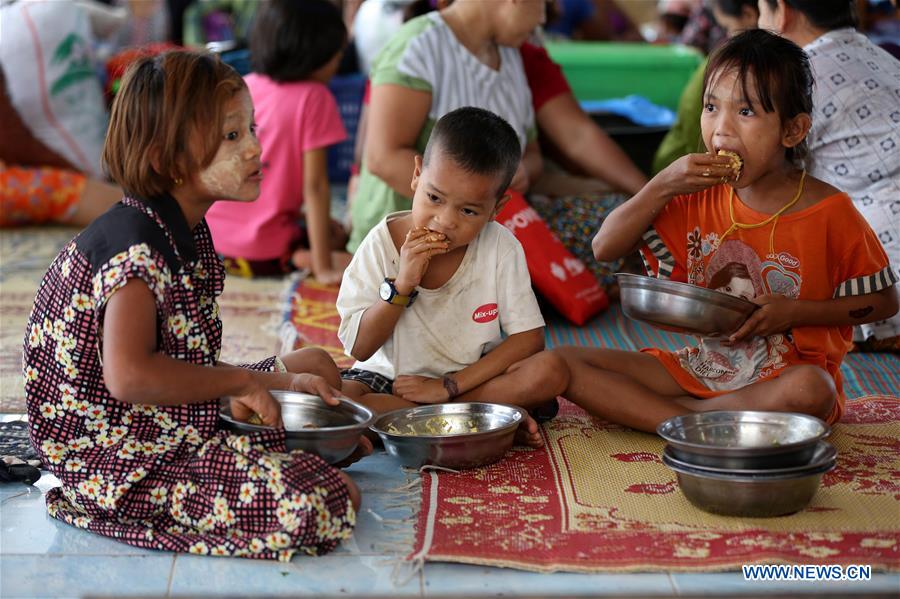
[(758, 227)]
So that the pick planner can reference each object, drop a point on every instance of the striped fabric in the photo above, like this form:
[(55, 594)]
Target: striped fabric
[(456, 78), (864, 373), (869, 284), (662, 253)]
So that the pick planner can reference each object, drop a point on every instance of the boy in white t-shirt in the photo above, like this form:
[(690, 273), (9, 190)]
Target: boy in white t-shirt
[(437, 304)]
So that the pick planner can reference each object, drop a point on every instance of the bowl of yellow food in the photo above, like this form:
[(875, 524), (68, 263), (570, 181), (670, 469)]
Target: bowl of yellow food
[(451, 435), (331, 432)]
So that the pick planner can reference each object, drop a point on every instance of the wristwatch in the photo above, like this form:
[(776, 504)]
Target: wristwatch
[(388, 293)]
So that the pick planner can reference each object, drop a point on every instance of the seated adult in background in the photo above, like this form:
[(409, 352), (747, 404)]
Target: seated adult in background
[(39, 186), (683, 138), (573, 207), (854, 142), (464, 55)]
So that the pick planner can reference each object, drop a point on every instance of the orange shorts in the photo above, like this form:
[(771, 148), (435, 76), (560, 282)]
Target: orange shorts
[(692, 386), (36, 195)]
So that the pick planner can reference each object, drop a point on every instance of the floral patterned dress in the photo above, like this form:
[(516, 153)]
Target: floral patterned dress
[(161, 477)]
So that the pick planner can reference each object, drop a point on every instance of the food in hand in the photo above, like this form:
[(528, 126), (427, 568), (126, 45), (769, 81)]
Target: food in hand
[(432, 236), (255, 419), (737, 163)]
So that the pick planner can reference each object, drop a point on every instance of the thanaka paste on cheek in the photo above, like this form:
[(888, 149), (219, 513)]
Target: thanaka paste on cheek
[(224, 177)]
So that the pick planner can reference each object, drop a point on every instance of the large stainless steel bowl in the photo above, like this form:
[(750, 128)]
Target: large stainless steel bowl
[(824, 453), (740, 440), (332, 432), (681, 307), (452, 435), (753, 496)]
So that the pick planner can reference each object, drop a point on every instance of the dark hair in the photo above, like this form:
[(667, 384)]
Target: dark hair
[(164, 106), (780, 71), (734, 8), (479, 141), (824, 14), (292, 38), (731, 270)]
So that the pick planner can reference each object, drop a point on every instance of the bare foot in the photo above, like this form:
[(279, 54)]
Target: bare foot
[(529, 433)]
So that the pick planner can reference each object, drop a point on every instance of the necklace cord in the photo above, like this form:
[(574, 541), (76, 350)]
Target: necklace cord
[(772, 219)]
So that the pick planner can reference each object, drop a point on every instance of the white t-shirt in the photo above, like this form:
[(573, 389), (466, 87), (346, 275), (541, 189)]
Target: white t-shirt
[(449, 328)]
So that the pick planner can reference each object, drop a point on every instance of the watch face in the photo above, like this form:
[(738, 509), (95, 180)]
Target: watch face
[(385, 291)]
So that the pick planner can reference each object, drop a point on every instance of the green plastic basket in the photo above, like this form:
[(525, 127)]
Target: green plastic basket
[(602, 70)]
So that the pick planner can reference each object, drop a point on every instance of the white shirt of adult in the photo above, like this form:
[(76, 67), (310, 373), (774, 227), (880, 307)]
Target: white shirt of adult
[(854, 143), (449, 328)]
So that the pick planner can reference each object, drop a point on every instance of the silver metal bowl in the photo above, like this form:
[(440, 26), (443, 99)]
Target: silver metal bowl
[(752, 496), (742, 440), (452, 435), (332, 432), (824, 453), (681, 307)]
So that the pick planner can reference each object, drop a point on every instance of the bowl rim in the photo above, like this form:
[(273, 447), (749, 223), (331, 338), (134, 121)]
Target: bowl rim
[(749, 478), (521, 411), (661, 430), (362, 425), (829, 454), (687, 290)]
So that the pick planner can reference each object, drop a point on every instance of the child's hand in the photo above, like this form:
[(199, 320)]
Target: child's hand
[(774, 315), (415, 253), (695, 172), (316, 385), (257, 400), (420, 389)]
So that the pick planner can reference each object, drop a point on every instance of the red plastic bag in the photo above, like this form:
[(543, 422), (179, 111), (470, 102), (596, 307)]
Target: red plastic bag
[(558, 275)]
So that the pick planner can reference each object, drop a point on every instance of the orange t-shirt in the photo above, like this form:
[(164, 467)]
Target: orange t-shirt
[(822, 252)]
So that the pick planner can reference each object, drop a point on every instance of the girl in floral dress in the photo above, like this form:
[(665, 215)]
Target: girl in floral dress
[(121, 352)]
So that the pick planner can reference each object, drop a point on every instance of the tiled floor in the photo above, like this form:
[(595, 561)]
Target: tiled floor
[(45, 558)]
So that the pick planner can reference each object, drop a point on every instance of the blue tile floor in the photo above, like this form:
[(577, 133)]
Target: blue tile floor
[(45, 558)]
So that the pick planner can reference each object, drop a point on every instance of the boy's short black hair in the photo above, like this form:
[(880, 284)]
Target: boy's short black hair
[(292, 38), (824, 14), (780, 70), (479, 141)]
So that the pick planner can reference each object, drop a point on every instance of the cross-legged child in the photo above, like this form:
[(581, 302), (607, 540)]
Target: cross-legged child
[(437, 303), (752, 224), (121, 356), (296, 49)]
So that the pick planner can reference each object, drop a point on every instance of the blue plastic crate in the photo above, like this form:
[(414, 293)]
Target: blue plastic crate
[(348, 90)]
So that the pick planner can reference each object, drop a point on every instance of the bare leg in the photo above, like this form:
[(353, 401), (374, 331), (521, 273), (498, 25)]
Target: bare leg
[(629, 388), (806, 389), (314, 361), (527, 383), (634, 389), (96, 198)]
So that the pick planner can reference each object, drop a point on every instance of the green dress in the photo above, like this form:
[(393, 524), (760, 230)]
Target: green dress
[(684, 137)]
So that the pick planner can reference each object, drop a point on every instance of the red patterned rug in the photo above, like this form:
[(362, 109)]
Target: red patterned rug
[(311, 319), (598, 498)]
